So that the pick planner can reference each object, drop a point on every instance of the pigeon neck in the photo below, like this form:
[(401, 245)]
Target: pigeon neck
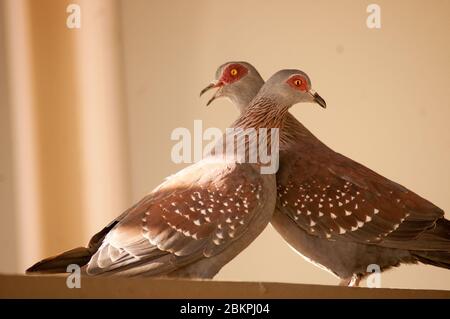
[(294, 131), (243, 98), (262, 112), (242, 104)]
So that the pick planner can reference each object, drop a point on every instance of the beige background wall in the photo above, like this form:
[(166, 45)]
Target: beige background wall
[(67, 125), (386, 90), (7, 218)]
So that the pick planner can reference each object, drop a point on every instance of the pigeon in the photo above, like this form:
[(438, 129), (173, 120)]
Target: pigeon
[(336, 213), (193, 223)]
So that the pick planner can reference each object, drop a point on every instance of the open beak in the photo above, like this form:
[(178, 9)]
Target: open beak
[(318, 99), (212, 85)]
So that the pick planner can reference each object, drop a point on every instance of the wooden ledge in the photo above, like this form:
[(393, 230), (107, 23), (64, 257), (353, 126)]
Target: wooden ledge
[(54, 286)]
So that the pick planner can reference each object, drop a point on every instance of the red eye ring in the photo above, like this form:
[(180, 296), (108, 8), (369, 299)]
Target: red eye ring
[(298, 82), (233, 72)]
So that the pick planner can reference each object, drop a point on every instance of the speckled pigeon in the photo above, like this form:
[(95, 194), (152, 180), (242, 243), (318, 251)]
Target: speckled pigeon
[(193, 223), (332, 210)]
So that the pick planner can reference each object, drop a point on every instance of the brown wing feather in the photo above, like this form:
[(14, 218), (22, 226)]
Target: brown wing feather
[(207, 217), (183, 221), (344, 199)]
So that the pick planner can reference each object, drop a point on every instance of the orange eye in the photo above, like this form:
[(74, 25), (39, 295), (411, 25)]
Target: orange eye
[(298, 82), (233, 72)]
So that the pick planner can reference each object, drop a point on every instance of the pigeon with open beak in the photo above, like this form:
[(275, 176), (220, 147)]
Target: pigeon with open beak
[(239, 82)]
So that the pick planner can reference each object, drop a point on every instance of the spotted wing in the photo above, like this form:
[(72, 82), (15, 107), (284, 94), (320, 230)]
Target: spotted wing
[(331, 196), (196, 214)]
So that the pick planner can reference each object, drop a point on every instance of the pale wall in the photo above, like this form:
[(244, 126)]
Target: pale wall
[(7, 231)]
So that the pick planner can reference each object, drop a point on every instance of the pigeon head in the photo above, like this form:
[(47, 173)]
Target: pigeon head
[(289, 87), (237, 81)]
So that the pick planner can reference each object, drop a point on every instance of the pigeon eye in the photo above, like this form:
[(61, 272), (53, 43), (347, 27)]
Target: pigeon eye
[(299, 83), (233, 72)]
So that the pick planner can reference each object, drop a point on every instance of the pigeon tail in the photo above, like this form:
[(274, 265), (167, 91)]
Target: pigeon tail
[(58, 264), (434, 258), (79, 256), (441, 257)]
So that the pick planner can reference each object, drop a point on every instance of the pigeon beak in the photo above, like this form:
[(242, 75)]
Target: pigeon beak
[(212, 85), (318, 99)]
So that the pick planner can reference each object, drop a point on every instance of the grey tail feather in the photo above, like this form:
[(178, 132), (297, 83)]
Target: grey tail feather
[(79, 256), (442, 228), (434, 258), (440, 257), (58, 264), (434, 239)]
